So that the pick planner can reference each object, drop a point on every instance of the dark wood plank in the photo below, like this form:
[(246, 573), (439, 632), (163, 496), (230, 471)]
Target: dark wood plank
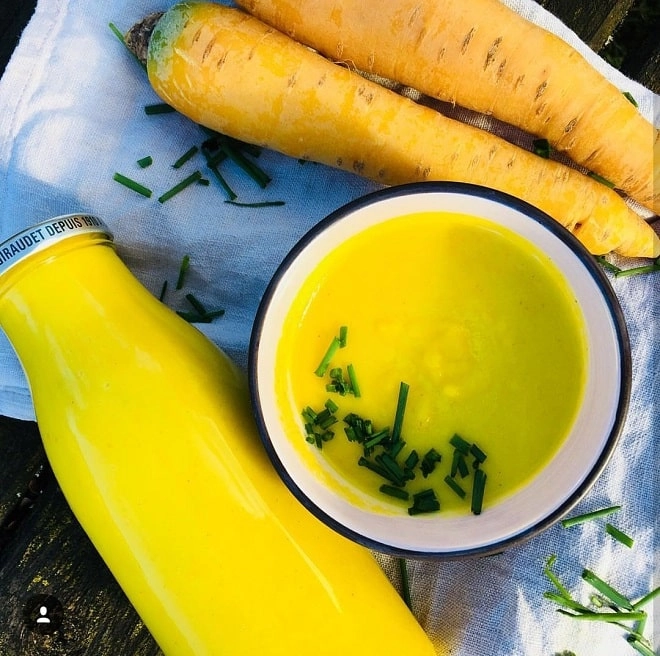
[(14, 15), (46, 553), (592, 20)]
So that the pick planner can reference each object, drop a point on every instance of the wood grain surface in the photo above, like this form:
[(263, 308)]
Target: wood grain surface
[(44, 554)]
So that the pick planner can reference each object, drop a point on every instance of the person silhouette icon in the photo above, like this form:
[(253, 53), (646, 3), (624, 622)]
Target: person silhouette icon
[(43, 613), (43, 616)]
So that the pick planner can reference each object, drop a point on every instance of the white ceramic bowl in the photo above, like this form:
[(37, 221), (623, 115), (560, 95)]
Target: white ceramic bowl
[(549, 495)]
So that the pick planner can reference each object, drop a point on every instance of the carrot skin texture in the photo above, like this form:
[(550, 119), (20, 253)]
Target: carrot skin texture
[(470, 53), (228, 71)]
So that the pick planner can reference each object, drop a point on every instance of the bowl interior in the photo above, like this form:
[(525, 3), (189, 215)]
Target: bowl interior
[(558, 486)]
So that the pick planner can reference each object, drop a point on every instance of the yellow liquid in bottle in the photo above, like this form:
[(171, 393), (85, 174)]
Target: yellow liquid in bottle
[(149, 430)]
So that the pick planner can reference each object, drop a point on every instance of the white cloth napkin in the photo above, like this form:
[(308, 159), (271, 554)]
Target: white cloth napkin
[(71, 114)]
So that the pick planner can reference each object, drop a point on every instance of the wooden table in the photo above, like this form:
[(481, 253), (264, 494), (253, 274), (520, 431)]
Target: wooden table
[(45, 557)]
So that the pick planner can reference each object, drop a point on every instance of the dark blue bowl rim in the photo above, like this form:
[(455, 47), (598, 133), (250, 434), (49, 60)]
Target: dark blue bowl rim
[(582, 254)]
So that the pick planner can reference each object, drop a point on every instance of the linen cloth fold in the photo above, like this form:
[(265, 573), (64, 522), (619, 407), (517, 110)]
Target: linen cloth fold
[(72, 113)]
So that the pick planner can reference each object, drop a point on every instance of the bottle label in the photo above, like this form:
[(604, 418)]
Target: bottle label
[(46, 233)]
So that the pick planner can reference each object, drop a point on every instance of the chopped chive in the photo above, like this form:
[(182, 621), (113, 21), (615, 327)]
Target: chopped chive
[(376, 468), (566, 602), (461, 465), (131, 184), (553, 578), (204, 182), (618, 535), (601, 179), (460, 444), (256, 173), (455, 486), (400, 410), (191, 152), (355, 387), (197, 305), (331, 405), (392, 491), (478, 454), (606, 590), (263, 203), (158, 108), (542, 148), (605, 616), (431, 457), (405, 583), (392, 466), (395, 449), (607, 265), (478, 487), (343, 334), (177, 188), (377, 438), (325, 362), (640, 645), (635, 271), (585, 517), (195, 317), (163, 289), (631, 98), (183, 270), (640, 603), (143, 162), (424, 502)]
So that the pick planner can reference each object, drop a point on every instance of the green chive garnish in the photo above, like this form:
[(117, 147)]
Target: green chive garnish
[(618, 535), (163, 289), (607, 265), (392, 491), (460, 444), (455, 486), (132, 184), (197, 305), (647, 598), (186, 182), (355, 388), (606, 590), (553, 578), (478, 487), (158, 108), (478, 454), (640, 645), (183, 270), (424, 502), (185, 157), (325, 362), (631, 98), (431, 457), (585, 517), (343, 336), (605, 616), (601, 179), (145, 161), (405, 583), (635, 271), (263, 203), (400, 411), (542, 148)]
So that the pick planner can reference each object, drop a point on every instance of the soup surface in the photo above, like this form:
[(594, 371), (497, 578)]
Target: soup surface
[(478, 323)]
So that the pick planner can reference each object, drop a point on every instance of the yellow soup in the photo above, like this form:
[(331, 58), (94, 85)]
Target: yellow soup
[(480, 325)]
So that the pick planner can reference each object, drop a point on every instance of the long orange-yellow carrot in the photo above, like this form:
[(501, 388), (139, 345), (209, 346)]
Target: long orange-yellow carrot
[(228, 71), (482, 55)]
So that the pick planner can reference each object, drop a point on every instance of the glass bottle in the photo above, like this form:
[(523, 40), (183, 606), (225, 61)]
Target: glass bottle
[(149, 431)]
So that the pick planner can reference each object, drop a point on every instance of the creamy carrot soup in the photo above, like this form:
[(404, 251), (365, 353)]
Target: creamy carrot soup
[(478, 323)]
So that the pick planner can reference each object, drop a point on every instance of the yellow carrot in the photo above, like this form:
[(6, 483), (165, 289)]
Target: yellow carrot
[(471, 53), (228, 71)]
